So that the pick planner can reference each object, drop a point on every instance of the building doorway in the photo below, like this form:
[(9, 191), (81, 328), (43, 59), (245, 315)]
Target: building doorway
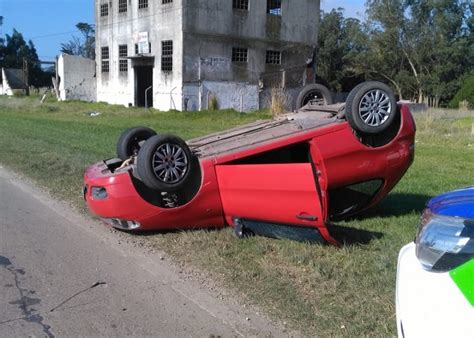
[(143, 82)]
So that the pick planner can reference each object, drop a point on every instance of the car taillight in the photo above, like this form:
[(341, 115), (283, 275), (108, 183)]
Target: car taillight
[(443, 243), (99, 193)]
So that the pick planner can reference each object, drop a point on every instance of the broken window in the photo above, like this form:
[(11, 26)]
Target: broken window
[(104, 9), (142, 4), (167, 1), (240, 54), (167, 56), (240, 4), (273, 57), (123, 61), (274, 7), (105, 59), (122, 6), (137, 49)]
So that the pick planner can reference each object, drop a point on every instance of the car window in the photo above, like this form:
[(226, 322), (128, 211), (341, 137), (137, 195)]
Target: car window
[(352, 198), (295, 153)]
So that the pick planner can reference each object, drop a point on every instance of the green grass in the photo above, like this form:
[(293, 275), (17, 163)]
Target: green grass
[(319, 289)]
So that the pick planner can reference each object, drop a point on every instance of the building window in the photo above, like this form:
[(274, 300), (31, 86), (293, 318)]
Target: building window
[(122, 6), (123, 51), (240, 54), (167, 56), (167, 1), (142, 4), (104, 9), (240, 4), (105, 53), (123, 65), (274, 7), (123, 61), (105, 66), (273, 57), (105, 59)]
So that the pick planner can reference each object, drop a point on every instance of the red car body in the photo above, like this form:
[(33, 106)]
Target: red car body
[(300, 193)]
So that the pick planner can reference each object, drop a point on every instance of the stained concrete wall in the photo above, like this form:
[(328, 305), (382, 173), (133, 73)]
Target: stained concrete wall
[(230, 95), (212, 28), (162, 22), (77, 76), (298, 21)]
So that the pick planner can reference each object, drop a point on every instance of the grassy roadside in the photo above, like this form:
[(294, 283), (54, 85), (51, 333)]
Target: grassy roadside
[(318, 289)]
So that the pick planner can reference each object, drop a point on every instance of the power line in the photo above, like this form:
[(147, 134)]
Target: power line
[(51, 35)]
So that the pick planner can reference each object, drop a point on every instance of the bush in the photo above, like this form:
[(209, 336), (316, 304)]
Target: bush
[(213, 104), (18, 93), (280, 101), (466, 93)]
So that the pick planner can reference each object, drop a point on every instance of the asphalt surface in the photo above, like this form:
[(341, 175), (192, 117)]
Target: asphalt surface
[(64, 275)]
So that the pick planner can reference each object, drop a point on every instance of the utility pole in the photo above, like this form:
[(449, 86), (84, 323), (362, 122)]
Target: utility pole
[(26, 76)]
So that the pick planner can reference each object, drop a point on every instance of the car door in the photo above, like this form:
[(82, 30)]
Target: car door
[(278, 188)]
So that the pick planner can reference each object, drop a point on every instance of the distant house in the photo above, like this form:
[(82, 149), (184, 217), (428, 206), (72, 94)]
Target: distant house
[(177, 54), (13, 80)]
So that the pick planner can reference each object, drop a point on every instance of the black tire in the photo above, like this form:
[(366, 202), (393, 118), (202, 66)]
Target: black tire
[(313, 92), (128, 144), (170, 153), (371, 107)]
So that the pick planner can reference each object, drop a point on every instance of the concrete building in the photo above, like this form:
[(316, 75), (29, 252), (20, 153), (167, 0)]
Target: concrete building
[(178, 54)]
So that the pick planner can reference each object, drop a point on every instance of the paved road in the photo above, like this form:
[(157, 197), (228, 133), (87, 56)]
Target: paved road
[(63, 275)]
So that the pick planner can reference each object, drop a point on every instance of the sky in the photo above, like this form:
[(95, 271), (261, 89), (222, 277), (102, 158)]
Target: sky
[(48, 23)]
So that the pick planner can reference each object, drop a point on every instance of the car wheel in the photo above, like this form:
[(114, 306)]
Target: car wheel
[(314, 93), (371, 107), (129, 142), (164, 163)]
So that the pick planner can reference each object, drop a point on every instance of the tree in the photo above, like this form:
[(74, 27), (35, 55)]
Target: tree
[(15, 51), (423, 47), (83, 46), (2, 42), (339, 43), (465, 93)]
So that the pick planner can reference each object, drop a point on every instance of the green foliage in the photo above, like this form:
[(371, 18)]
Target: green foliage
[(340, 43), (14, 50), (213, 103), (84, 46), (18, 93), (422, 48), (466, 93)]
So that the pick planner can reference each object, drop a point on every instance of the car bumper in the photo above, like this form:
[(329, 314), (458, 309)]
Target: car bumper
[(124, 208), (429, 304)]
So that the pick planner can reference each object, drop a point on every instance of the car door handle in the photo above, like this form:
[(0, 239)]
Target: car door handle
[(306, 217)]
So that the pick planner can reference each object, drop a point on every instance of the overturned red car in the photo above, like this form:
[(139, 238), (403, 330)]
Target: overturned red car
[(297, 172)]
